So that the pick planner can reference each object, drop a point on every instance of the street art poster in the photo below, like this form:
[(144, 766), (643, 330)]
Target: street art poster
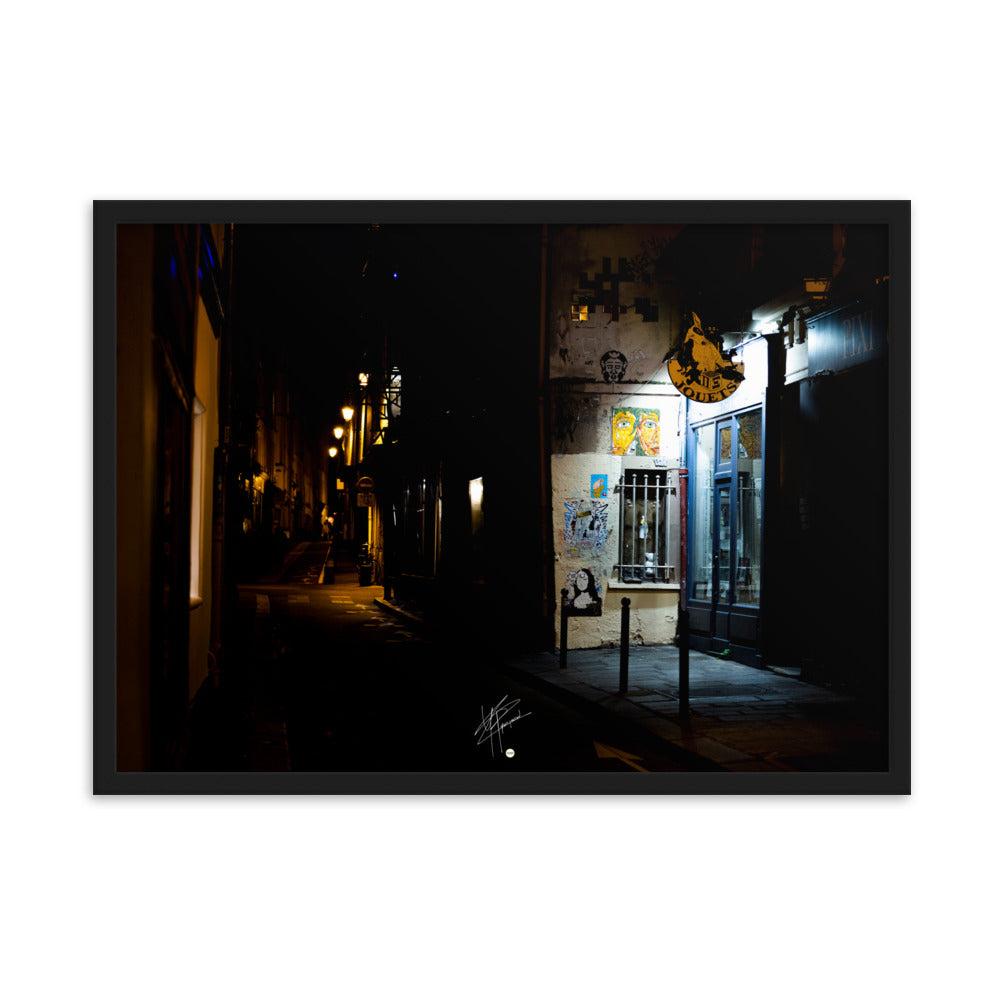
[(598, 486), (700, 368), (635, 431), (613, 366), (583, 595), (586, 525)]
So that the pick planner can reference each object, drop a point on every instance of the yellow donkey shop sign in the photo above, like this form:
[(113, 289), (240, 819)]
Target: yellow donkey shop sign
[(701, 369)]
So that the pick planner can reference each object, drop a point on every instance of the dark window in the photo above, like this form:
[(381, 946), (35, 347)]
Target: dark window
[(648, 496)]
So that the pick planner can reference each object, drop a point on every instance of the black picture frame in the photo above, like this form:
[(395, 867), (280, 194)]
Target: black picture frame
[(108, 215)]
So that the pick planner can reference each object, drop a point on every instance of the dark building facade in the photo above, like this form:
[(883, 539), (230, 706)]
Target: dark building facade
[(172, 293), (448, 411)]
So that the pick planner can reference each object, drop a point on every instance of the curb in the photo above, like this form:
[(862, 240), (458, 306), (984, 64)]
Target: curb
[(682, 755), (401, 612), (667, 735)]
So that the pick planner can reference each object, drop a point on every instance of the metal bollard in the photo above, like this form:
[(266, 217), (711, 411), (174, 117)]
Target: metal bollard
[(623, 666), (563, 628), (683, 661)]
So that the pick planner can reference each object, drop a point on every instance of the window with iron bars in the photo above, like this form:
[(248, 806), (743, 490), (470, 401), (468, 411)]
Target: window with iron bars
[(648, 532)]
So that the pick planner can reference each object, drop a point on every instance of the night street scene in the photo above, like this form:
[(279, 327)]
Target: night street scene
[(503, 497)]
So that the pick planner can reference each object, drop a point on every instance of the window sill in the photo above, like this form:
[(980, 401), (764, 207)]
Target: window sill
[(618, 585)]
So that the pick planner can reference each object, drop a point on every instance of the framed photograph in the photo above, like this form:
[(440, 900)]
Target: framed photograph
[(349, 537)]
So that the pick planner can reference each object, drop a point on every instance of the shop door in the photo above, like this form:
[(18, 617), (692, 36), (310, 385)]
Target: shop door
[(725, 519), (721, 563)]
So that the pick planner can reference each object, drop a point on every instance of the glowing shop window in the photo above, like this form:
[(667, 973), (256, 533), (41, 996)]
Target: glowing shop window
[(580, 313), (476, 503)]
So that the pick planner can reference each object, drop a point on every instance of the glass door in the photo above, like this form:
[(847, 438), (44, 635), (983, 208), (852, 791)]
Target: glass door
[(748, 511), (725, 513), (722, 561), (701, 517), (723, 544)]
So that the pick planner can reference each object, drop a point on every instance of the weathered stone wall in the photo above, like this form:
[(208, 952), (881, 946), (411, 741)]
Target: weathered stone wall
[(601, 363)]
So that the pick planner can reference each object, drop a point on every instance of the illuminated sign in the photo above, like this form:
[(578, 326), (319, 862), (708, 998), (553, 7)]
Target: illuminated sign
[(847, 337), (701, 369)]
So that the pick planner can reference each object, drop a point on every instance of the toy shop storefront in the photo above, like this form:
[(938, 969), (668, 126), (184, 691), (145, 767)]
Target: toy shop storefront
[(787, 553), (725, 459)]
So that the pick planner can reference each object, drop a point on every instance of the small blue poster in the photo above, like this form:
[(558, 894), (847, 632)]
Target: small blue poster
[(598, 486)]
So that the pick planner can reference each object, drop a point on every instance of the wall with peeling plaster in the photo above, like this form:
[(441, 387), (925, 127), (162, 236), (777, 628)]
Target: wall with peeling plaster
[(641, 323), (627, 311)]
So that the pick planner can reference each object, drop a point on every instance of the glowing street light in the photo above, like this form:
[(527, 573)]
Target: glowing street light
[(348, 412), (333, 453), (338, 432)]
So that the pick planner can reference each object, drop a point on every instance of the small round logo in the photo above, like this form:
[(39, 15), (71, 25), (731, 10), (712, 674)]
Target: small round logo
[(509, 751)]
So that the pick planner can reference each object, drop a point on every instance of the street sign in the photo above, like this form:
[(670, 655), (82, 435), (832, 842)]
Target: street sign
[(366, 492), (849, 336)]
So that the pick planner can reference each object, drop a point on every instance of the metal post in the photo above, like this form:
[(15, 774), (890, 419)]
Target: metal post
[(635, 513), (223, 606), (683, 692), (563, 628), (770, 567), (683, 640), (623, 667)]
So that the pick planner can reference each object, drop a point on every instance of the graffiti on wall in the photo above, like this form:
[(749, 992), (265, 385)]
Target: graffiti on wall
[(598, 486), (635, 430), (601, 292), (569, 410), (585, 525), (613, 365), (584, 595)]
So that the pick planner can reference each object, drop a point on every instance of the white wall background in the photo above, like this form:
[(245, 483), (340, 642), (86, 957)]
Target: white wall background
[(561, 897)]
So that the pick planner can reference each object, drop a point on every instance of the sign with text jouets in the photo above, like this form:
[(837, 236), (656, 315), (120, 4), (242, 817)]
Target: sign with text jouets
[(700, 368)]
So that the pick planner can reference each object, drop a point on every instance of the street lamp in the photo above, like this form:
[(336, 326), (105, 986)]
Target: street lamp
[(338, 432), (348, 412), (333, 452)]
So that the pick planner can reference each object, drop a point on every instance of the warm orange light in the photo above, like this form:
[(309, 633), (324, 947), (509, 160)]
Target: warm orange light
[(333, 453), (348, 412), (338, 432)]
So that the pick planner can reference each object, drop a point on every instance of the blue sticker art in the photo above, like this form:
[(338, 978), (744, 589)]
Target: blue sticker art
[(598, 486)]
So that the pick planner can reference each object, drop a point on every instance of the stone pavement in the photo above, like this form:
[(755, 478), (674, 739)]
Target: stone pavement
[(741, 718)]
